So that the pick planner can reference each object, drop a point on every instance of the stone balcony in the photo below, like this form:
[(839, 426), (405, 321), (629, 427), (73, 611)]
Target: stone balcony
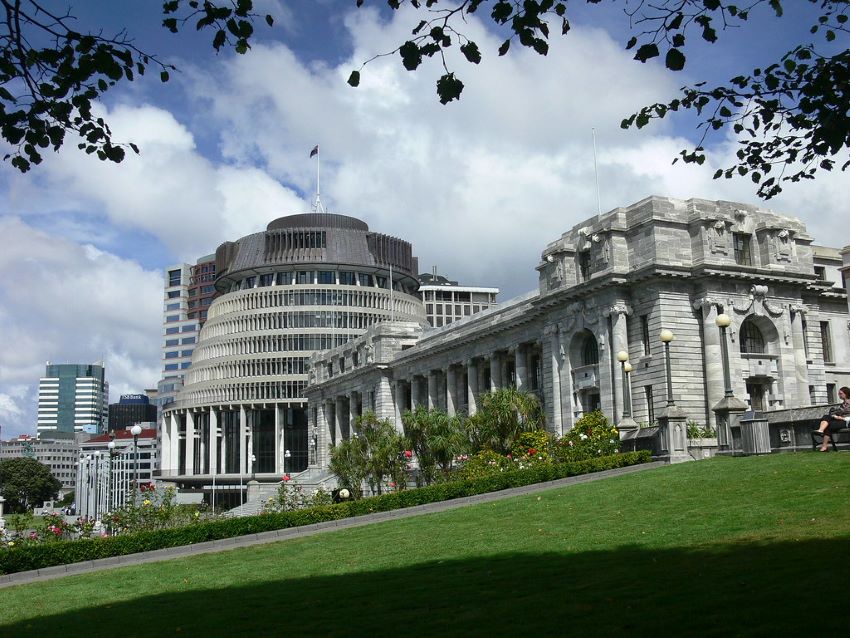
[(759, 365), (586, 377)]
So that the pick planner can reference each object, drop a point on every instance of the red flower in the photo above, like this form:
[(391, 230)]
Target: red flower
[(286, 477), (532, 451), (392, 484), (408, 454), (510, 456)]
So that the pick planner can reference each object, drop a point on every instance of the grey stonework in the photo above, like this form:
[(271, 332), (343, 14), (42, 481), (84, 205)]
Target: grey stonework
[(606, 285)]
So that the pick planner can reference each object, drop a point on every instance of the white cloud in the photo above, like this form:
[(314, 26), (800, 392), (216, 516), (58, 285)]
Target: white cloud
[(67, 302)]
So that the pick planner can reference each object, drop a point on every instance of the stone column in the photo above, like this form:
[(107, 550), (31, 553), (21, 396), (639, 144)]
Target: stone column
[(352, 409), (339, 407), (278, 439), (495, 371), (415, 392), (243, 440), (321, 431), (433, 391), (385, 406), (566, 380), (451, 390), (166, 458), (212, 444), (801, 368), (712, 360), (472, 386), (620, 342), (521, 367), (555, 362), (190, 443)]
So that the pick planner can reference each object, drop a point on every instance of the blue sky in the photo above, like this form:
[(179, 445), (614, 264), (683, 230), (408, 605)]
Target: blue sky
[(479, 187)]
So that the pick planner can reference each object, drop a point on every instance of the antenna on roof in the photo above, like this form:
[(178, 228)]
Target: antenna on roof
[(596, 175), (317, 205)]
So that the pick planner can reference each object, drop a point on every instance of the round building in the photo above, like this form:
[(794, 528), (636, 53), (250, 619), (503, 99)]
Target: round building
[(309, 283)]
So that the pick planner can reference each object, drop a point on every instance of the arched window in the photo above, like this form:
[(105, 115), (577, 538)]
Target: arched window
[(752, 341), (589, 351)]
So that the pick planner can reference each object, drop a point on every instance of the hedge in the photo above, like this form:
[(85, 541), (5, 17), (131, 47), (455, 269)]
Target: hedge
[(30, 557)]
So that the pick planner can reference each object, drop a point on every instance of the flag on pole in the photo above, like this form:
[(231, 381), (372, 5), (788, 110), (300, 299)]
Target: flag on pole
[(315, 150)]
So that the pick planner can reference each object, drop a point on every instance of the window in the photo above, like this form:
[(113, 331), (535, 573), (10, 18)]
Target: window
[(265, 280), (193, 303), (304, 277), (170, 366), (185, 365), (346, 278), (284, 278), (805, 337), (752, 341), (743, 254), (191, 328), (172, 306), (820, 273), (589, 351), (650, 404), (172, 354), (584, 264), (172, 330), (173, 277), (365, 280), (830, 393), (172, 342), (208, 289), (187, 340), (186, 353), (248, 282), (826, 342), (173, 294), (171, 318), (429, 308), (206, 301), (193, 292), (439, 308), (644, 335), (327, 277)]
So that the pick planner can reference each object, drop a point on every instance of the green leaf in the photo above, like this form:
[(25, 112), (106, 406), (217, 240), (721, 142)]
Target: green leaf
[(163, 75), (646, 52), (354, 78), (471, 52), (449, 88), (410, 55), (675, 60), (269, 20)]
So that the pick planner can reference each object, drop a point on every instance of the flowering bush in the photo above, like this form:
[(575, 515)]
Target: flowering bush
[(533, 446), (290, 498), (591, 436), (485, 463)]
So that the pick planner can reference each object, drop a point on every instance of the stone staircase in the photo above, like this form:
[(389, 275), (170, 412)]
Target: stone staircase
[(310, 480)]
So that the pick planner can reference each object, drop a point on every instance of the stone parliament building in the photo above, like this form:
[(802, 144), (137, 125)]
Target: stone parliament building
[(612, 284), (318, 320)]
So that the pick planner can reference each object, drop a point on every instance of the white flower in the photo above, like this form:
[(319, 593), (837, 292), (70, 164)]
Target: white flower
[(583, 437)]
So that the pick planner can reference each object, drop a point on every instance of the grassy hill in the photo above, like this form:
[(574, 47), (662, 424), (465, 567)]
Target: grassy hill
[(751, 546)]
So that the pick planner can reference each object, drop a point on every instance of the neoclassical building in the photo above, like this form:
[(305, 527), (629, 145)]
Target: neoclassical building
[(611, 284), (308, 283)]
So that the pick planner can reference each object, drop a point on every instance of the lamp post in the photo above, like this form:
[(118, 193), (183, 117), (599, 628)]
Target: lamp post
[(623, 358), (723, 321), (96, 485), (627, 403), (136, 430), (666, 337), (253, 467)]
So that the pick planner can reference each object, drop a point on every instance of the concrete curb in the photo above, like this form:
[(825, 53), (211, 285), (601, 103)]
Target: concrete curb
[(237, 542)]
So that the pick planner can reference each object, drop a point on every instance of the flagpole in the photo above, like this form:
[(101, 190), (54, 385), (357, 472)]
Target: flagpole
[(392, 305), (317, 206), (596, 175)]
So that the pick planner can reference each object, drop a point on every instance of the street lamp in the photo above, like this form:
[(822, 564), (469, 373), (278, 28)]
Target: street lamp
[(623, 358), (253, 466), (666, 337), (723, 321), (136, 430)]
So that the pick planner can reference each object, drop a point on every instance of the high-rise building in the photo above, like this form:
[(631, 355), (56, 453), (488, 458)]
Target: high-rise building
[(59, 453), (307, 283), (131, 409), (73, 398), (448, 301), (188, 292)]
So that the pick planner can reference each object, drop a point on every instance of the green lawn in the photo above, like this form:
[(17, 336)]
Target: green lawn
[(753, 546)]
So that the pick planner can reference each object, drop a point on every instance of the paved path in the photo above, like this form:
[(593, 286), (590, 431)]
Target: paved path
[(50, 573)]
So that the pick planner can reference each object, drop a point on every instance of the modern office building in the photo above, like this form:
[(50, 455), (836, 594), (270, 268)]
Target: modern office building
[(188, 293), (131, 409), (611, 285), (59, 453), (309, 282), (447, 301), (73, 398)]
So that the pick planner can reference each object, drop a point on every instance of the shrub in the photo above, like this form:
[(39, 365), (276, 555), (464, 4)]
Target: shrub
[(591, 436)]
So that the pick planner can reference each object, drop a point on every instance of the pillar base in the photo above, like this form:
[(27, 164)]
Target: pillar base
[(673, 421), (727, 411)]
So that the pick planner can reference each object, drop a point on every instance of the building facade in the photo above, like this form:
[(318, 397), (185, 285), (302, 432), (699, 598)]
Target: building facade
[(73, 398), (131, 409), (307, 283), (59, 453), (611, 285), (448, 301)]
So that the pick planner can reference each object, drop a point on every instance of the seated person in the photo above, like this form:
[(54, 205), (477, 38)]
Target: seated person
[(837, 418)]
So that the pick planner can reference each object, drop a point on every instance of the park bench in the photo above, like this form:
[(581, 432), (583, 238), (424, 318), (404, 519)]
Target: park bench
[(817, 436)]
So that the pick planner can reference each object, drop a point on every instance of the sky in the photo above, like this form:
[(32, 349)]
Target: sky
[(479, 186)]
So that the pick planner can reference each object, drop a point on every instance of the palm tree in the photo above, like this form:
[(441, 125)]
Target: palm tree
[(505, 414)]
